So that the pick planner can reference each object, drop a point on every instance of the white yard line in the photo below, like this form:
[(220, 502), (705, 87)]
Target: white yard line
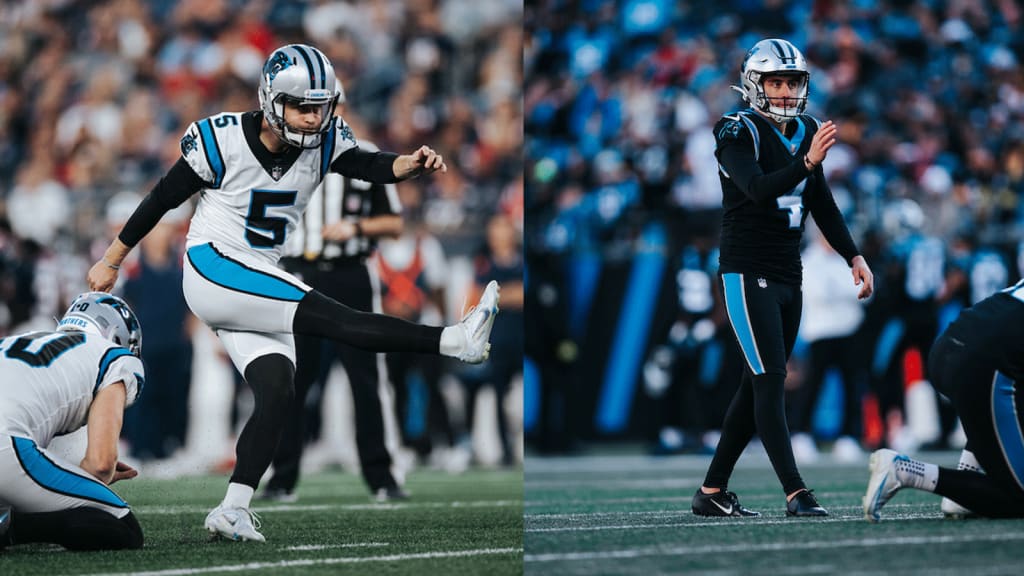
[(306, 547), (726, 522), (770, 547), (145, 510), (579, 516), (320, 562)]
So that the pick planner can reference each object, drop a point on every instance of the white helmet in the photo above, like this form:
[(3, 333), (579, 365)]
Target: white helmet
[(104, 315), (301, 75), (773, 57)]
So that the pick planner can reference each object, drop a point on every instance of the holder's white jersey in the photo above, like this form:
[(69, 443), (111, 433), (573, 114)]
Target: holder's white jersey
[(49, 379), (250, 209)]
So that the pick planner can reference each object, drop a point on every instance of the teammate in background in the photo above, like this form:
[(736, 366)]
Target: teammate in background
[(682, 374), (831, 329), (978, 363), (329, 250), (87, 371), (770, 159), (255, 172), (917, 275)]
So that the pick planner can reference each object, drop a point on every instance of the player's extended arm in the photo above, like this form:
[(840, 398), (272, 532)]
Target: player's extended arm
[(387, 167), (105, 416), (178, 185)]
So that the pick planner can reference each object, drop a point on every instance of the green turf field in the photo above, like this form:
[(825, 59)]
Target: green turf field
[(622, 514), (468, 524)]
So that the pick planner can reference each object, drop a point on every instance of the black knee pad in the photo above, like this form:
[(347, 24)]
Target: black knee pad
[(272, 378), (93, 529)]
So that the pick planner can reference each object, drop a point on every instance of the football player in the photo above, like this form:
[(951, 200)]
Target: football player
[(255, 172), (977, 363), (769, 158), (87, 371)]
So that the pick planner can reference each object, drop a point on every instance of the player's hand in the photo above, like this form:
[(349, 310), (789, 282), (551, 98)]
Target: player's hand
[(425, 160), (863, 277), (123, 472), (823, 139), (101, 277)]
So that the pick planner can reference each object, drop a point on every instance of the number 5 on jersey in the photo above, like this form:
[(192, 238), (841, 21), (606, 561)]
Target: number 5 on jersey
[(258, 223)]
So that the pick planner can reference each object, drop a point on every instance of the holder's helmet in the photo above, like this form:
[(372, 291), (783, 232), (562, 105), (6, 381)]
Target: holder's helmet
[(301, 75), (104, 315)]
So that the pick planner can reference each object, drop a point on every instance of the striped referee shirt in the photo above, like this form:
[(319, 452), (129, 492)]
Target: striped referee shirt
[(341, 198)]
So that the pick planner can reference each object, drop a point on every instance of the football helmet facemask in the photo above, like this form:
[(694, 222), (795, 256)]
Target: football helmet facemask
[(104, 315), (769, 58), (300, 75)]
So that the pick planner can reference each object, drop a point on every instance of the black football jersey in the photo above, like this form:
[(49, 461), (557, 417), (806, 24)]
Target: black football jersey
[(994, 329), (767, 194)]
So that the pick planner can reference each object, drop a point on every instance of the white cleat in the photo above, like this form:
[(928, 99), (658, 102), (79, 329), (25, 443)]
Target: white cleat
[(234, 524), (953, 510), (883, 483), (476, 326)]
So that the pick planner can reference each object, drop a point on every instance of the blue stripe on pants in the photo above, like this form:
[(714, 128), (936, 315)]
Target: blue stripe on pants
[(56, 479), (1008, 432), (236, 276), (740, 320)]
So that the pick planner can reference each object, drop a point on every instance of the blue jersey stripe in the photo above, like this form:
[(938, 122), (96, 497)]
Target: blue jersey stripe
[(236, 276), (213, 157), (1008, 432), (108, 358), (736, 306), (49, 475), (753, 132)]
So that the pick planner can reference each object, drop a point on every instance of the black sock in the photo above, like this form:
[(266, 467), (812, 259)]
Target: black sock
[(321, 316), (979, 493), (271, 378), (77, 529)]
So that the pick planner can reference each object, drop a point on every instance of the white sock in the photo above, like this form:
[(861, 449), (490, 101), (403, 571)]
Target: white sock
[(917, 474), (453, 341), (969, 462), (238, 496)]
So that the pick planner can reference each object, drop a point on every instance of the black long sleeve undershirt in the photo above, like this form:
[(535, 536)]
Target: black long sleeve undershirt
[(376, 167), (180, 183), (739, 162)]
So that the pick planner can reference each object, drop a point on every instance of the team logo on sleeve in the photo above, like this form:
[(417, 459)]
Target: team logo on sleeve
[(188, 144), (346, 133), (731, 129)]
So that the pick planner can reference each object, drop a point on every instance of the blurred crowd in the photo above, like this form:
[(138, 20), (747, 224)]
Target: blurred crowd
[(94, 97), (619, 103)]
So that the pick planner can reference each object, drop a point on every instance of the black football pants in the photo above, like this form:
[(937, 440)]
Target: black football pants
[(764, 316)]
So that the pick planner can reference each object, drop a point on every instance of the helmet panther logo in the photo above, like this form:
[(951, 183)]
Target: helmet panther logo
[(277, 63)]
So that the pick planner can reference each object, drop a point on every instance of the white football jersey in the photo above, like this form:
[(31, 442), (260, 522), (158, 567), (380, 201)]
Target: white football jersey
[(248, 210), (49, 379)]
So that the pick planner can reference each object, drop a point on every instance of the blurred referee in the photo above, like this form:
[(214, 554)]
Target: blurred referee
[(329, 250)]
